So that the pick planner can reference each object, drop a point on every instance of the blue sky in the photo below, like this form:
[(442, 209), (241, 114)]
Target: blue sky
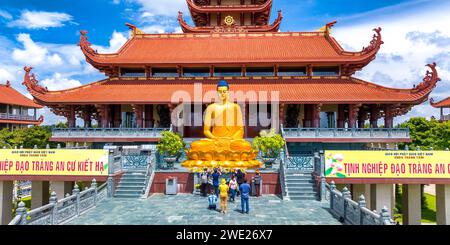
[(44, 34)]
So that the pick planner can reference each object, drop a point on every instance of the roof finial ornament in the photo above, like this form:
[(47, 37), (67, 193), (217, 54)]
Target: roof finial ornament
[(327, 28), (376, 42), (431, 78), (85, 44), (8, 84), (31, 82), (134, 30)]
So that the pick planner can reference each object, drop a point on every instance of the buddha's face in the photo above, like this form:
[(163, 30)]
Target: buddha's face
[(223, 93)]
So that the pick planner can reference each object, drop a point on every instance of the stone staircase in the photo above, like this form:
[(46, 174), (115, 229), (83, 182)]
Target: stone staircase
[(131, 185), (300, 185)]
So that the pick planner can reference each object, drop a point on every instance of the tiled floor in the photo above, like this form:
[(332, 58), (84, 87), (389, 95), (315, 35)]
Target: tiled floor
[(192, 210)]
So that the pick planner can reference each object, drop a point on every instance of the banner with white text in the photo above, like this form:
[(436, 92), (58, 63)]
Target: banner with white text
[(54, 162), (387, 164)]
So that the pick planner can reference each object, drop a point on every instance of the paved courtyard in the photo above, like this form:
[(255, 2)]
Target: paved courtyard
[(192, 210)]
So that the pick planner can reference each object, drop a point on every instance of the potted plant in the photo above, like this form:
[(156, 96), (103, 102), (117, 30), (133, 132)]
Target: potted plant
[(170, 146), (269, 143)]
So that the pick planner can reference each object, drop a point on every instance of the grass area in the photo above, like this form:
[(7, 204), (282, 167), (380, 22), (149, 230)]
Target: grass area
[(428, 210)]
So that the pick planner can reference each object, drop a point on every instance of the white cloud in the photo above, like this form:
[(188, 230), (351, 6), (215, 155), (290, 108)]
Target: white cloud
[(32, 53), (411, 40), (116, 41), (40, 20), (5, 15), (163, 8), (59, 82), (5, 76)]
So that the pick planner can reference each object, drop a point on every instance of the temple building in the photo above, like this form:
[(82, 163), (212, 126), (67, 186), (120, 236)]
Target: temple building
[(443, 104), (16, 110), (321, 104)]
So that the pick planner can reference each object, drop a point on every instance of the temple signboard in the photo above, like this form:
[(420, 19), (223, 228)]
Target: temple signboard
[(53, 162), (388, 164)]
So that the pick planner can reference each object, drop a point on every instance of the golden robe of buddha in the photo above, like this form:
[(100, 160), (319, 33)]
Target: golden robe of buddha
[(224, 145)]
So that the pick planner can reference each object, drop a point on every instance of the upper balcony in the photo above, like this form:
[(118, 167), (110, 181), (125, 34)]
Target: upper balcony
[(346, 135), (19, 119), (107, 134)]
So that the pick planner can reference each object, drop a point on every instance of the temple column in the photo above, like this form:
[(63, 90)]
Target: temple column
[(138, 110), (62, 188), (411, 204), (374, 116), (316, 108), (443, 204), (148, 114), (246, 119), (71, 121), (6, 199), (341, 116), (352, 115), (117, 116), (282, 117), (307, 121), (39, 193), (361, 189), (87, 117), (362, 117), (382, 195), (388, 117), (173, 118)]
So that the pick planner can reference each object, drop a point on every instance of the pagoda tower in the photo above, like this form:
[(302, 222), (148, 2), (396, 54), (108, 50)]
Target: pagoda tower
[(230, 16)]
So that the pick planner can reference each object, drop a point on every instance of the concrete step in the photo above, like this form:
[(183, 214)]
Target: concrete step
[(301, 189), (136, 192), (295, 198), (127, 196), (301, 184), (300, 181), (132, 181), (309, 193), (130, 187), (131, 184)]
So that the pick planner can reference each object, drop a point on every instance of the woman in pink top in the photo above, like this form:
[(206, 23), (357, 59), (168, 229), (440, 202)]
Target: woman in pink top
[(233, 187)]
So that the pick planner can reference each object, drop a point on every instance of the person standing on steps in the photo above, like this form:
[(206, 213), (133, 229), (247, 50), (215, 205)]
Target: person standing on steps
[(245, 193), (233, 187), (240, 176), (215, 178), (223, 188), (257, 180), (204, 182)]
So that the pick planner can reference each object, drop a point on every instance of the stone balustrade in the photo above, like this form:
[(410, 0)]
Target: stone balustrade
[(354, 213), (61, 211), (337, 133), (107, 132)]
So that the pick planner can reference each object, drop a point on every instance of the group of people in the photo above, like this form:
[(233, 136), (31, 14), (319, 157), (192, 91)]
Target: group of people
[(227, 190)]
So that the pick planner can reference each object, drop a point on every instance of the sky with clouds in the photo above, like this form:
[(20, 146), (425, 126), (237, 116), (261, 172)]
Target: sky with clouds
[(44, 34)]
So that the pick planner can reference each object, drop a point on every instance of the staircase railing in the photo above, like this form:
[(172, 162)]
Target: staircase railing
[(282, 170), (61, 211), (354, 213), (149, 174)]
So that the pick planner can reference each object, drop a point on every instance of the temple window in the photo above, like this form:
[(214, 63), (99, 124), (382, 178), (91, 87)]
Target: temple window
[(3, 108), (326, 71), (227, 71), (259, 71), (132, 72), (196, 72), (164, 72), (292, 71)]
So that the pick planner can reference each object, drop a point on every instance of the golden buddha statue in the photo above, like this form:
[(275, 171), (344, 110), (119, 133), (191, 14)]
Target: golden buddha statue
[(224, 145)]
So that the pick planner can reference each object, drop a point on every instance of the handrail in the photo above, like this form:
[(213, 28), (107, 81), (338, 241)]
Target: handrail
[(149, 175), (61, 211), (17, 117), (354, 213), (346, 132)]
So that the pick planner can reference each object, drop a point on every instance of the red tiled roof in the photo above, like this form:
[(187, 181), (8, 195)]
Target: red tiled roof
[(10, 96), (295, 90), (442, 103), (230, 48)]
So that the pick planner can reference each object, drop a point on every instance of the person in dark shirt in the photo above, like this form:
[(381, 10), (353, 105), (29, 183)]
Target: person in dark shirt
[(240, 176), (215, 178), (245, 192), (257, 180)]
